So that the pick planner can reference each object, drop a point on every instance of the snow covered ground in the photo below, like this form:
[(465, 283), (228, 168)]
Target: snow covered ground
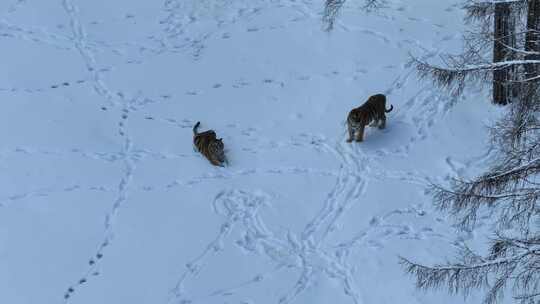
[(103, 199)]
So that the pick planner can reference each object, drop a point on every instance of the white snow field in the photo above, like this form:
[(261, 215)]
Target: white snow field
[(103, 199)]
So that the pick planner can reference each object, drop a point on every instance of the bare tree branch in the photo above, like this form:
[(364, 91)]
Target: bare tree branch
[(332, 9)]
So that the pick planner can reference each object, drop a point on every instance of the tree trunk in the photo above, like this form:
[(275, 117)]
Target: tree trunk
[(532, 38), (532, 44), (504, 30)]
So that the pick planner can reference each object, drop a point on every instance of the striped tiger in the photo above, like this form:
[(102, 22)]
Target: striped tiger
[(371, 111), (209, 145)]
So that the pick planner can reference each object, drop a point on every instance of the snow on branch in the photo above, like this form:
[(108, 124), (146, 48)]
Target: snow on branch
[(455, 76), (527, 168), (473, 273), (461, 277), (464, 200)]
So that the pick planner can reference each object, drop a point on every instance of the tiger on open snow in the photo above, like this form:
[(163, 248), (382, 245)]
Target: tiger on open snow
[(209, 145), (373, 110)]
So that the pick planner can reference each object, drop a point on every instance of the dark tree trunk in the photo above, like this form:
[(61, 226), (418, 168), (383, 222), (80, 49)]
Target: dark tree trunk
[(532, 44), (532, 38), (504, 29)]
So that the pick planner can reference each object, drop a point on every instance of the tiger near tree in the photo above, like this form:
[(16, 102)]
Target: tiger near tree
[(209, 145), (373, 110)]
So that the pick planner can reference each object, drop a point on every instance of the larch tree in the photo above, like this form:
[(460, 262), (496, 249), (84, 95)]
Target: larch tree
[(509, 191)]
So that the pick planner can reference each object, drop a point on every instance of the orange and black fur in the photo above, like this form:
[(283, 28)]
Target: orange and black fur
[(209, 145), (371, 111)]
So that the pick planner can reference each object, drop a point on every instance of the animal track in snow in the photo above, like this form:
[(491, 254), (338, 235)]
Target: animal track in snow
[(48, 191), (237, 207)]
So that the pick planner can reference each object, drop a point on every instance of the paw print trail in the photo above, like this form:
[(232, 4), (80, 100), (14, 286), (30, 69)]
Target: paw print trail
[(82, 45), (129, 161), (239, 208)]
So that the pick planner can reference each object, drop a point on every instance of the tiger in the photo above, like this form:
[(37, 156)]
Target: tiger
[(371, 111), (209, 145)]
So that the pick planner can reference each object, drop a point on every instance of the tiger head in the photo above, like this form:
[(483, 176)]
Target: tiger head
[(220, 149), (356, 118)]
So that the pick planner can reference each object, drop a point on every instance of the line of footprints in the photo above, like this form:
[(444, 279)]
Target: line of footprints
[(92, 263)]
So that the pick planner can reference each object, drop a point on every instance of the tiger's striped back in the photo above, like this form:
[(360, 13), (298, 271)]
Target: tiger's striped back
[(209, 145)]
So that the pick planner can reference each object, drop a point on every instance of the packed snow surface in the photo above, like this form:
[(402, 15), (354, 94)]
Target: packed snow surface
[(104, 200)]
